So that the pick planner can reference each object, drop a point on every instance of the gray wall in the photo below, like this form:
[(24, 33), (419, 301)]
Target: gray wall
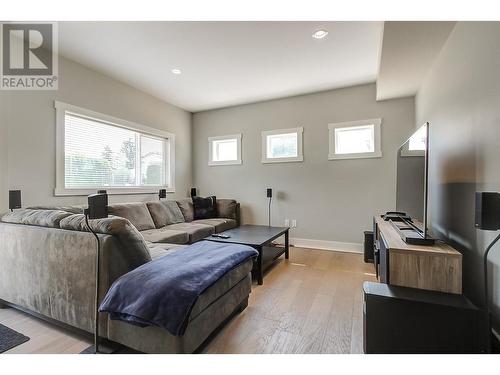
[(461, 99), (32, 131), (331, 200)]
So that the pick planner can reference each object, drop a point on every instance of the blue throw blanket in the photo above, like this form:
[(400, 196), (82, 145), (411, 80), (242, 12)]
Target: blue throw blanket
[(163, 292)]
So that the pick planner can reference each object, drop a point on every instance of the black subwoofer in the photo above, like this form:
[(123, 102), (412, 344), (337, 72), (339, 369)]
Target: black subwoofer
[(398, 320), (368, 246)]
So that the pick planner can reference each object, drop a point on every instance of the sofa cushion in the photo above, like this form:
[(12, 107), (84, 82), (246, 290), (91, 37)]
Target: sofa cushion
[(42, 218), (186, 207), (137, 213), (157, 250), (165, 213), (204, 208), (196, 231), (220, 225), (164, 235), (227, 208)]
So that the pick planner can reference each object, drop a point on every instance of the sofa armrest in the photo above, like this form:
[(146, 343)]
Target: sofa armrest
[(51, 271), (238, 214)]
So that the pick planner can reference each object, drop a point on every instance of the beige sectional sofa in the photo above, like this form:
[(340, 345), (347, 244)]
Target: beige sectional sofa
[(172, 222), (47, 266)]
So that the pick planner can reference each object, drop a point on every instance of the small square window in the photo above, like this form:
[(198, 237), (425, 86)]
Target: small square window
[(224, 150), (282, 145), (354, 140)]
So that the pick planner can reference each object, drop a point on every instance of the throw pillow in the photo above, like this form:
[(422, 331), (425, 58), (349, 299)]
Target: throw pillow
[(204, 208), (165, 213)]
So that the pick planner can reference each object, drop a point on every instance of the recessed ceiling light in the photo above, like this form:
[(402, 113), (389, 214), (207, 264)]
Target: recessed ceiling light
[(176, 71), (320, 34)]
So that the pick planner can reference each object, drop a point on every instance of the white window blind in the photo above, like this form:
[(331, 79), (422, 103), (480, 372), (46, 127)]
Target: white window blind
[(99, 154)]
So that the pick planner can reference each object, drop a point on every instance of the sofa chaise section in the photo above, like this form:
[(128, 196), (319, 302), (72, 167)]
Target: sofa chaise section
[(216, 305)]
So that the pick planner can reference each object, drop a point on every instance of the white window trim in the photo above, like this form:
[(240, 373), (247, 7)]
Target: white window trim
[(362, 155), (300, 154), (61, 190), (212, 162)]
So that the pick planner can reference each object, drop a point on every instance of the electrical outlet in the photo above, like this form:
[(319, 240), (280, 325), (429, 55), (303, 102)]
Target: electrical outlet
[(287, 222), (294, 223)]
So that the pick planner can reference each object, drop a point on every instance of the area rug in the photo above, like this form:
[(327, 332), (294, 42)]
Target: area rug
[(10, 338)]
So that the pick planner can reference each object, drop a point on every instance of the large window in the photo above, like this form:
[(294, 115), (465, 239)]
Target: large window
[(224, 150), (282, 145), (354, 139), (96, 151)]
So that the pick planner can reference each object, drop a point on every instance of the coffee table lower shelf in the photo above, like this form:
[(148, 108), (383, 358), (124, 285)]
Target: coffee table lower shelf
[(269, 255)]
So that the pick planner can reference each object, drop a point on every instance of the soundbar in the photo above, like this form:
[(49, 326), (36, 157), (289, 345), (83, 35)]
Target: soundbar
[(411, 233)]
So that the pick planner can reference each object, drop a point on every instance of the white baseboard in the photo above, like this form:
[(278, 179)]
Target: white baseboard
[(348, 247)]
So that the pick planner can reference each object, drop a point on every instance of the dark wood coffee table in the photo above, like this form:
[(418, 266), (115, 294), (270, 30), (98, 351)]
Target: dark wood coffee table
[(258, 237)]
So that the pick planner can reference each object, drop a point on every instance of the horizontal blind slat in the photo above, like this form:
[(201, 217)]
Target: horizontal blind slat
[(98, 154)]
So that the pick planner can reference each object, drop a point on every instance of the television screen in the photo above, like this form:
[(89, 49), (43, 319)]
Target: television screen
[(411, 189)]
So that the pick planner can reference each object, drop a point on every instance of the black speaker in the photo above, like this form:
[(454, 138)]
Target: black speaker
[(98, 206), (269, 192), (193, 192), (102, 192), (487, 210), (14, 199), (162, 193), (368, 247)]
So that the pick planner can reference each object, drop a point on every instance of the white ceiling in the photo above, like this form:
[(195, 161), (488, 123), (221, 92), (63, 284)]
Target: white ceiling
[(226, 63)]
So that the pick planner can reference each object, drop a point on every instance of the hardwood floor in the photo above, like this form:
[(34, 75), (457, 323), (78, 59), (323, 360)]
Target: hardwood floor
[(311, 303), (45, 338)]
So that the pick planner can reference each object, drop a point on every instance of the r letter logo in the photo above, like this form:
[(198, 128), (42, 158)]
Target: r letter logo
[(29, 56)]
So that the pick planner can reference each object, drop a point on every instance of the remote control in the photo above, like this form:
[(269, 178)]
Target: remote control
[(220, 235)]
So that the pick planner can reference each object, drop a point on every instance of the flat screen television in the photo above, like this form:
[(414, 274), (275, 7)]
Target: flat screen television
[(412, 169)]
